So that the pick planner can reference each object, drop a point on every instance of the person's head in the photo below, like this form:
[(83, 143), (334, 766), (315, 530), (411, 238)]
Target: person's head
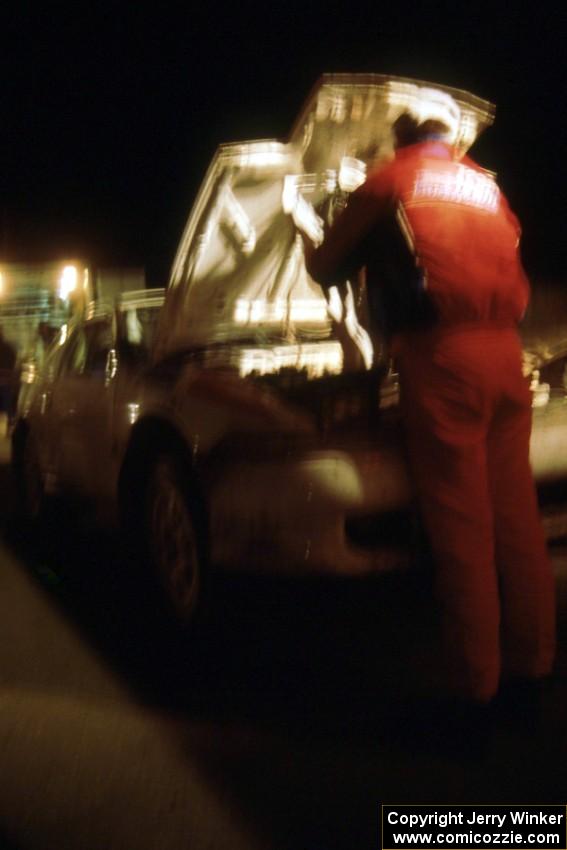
[(433, 113), (405, 130)]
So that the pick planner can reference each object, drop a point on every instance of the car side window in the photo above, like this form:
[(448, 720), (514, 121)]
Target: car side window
[(137, 325), (73, 358), (99, 341), (54, 358), (88, 348)]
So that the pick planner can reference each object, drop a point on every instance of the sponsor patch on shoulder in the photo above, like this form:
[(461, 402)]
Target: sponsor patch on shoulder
[(461, 185)]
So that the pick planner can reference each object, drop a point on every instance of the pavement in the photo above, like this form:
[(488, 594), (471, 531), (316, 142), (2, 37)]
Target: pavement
[(90, 774)]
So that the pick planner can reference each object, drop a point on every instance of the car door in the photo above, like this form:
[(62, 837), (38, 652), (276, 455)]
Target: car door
[(83, 397), (35, 406)]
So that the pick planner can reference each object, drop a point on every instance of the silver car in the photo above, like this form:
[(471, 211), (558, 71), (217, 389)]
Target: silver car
[(254, 423), (74, 412)]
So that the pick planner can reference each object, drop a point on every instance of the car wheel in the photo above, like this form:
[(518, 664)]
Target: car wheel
[(175, 531)]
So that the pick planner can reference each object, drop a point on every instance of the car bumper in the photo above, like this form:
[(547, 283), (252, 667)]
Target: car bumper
[(297, 515)]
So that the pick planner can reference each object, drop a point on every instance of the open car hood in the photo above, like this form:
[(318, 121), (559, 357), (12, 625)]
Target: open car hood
[(239, 275)]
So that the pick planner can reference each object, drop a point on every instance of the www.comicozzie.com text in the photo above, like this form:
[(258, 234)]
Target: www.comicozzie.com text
[(448, 839)]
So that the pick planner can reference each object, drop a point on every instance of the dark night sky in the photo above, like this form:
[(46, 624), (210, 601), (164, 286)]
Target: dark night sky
[(111, 114)]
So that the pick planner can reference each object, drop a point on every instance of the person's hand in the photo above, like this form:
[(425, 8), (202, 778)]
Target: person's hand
[(308, 223)]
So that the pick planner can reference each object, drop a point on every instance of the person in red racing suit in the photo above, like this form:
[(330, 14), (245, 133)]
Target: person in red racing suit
[(452, 306)]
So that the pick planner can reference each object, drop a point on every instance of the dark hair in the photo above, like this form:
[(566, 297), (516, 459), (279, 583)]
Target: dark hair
[(432, 128), (407, 131)]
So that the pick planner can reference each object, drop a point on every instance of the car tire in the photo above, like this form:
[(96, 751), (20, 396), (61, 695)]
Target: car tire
[(176, 538)]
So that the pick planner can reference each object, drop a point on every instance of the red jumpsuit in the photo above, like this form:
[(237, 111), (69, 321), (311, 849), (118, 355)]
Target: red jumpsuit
[(466, 405)]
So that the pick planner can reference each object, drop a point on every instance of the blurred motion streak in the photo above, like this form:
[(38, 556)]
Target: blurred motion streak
[(239, 419)]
